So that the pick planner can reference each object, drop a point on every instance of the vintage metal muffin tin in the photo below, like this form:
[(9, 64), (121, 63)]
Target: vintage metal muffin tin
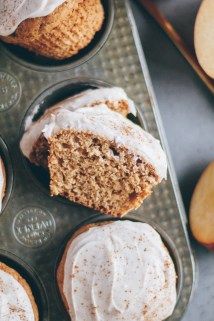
[(33, 226)]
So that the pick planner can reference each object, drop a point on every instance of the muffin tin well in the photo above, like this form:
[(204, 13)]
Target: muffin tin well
[(33, 226)]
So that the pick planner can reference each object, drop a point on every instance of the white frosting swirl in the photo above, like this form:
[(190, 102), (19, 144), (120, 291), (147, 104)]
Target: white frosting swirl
[(13, 12), (2, 182), (86, 98), (15, 304), (119, 272)]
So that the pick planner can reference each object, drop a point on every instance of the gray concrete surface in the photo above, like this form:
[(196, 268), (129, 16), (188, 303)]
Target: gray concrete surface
[(187, 110)]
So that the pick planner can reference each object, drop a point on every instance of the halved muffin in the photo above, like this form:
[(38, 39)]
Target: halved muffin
[(102, 160), (95, 156)]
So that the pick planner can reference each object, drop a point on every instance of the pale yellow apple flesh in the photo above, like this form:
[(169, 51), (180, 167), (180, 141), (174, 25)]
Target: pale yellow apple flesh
[(202, 208), (204, 36)]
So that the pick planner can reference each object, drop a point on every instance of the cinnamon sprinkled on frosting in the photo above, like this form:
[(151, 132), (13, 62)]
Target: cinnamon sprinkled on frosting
[(15, 305), (119, 272)]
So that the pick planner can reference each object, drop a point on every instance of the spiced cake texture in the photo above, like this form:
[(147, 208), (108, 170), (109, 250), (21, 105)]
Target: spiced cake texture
[(97, 173), (63, 33), (102, 160)]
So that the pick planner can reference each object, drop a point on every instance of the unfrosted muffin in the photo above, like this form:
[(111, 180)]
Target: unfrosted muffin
[(118, 271), (2, 182), (95, 156), (16, 299), (55, 29)]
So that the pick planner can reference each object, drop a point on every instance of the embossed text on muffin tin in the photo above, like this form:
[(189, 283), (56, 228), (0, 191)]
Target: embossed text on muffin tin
[(10, 90), (34, 227)]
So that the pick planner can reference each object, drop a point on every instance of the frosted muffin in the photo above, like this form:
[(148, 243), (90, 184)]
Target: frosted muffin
[(56, 29), (16, 299), (2, 182), (117, 271), (95, 156)]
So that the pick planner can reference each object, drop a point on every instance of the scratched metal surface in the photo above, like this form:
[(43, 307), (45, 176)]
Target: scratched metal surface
[(33, 226)]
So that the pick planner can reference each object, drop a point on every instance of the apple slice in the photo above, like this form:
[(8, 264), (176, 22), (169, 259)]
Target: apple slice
[(202, 209), (204, 36), (2, 181)]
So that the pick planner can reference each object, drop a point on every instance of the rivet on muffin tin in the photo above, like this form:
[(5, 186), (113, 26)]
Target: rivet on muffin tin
[(10, 90)]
